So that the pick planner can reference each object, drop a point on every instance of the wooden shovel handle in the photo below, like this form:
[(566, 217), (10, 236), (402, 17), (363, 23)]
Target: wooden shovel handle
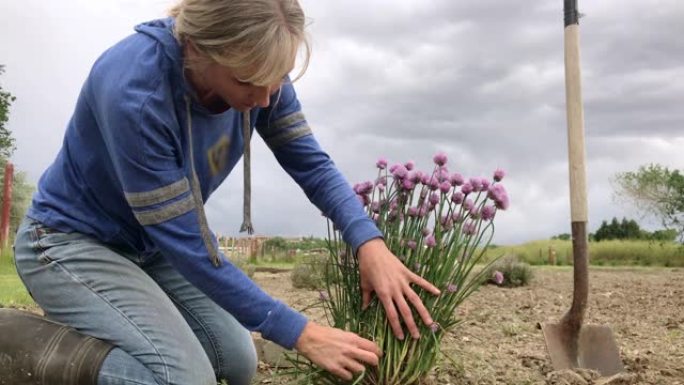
[(576, 157)]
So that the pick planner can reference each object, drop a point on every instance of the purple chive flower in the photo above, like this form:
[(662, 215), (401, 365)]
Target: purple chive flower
[(488, 212), (456, 217), (381, 187), (485, 184), (410, 165), (433, 183), (469, 228), (440, 159), (364, 199), (457, 197), (498, 194), (498, 277), (411, 245), (476, 183), (381, 163), (400, 172), (375, 217), (474, 213), (444, 187), (381, 181), (435, 327), (499, 174), (323, 296), (375, 206), (426, 231), (468, 204), (413, 212), (466, 188), (430, 241), (451, 288), (394, 167), (422, 211), (408, 185), (456, 179), (356, 187), (442, 174), (444, 220), (363, 188), (434, 198), (416, 176)]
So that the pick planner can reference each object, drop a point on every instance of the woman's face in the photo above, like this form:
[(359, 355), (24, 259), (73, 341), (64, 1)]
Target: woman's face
[(218, 88), (220, 82)]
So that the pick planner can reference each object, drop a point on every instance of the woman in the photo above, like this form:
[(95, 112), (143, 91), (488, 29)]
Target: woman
[(116, 244)]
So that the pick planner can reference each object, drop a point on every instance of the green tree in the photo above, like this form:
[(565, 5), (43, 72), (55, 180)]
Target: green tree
[(6, 140), (625, 229), (656, 191), (562, 237)]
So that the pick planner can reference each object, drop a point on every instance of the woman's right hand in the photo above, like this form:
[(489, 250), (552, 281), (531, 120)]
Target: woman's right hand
[(339, 352)]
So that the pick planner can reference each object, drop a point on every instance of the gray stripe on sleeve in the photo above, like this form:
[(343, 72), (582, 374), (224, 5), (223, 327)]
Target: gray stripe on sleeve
[(160, 195), (286, 136), (289, 120), (165, 213)]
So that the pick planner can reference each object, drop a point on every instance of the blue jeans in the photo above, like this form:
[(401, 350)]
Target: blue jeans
[(164, 329)]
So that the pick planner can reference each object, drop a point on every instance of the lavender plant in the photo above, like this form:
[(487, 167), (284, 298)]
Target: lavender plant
[(439, 224)]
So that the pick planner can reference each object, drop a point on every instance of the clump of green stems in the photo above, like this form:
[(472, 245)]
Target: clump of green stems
[(443, 243)]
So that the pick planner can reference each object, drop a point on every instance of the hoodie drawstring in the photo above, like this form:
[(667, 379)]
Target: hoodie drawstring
[(214, 254), (247, 195)]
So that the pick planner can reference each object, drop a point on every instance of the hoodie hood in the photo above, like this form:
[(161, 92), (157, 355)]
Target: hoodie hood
[(161, 30)]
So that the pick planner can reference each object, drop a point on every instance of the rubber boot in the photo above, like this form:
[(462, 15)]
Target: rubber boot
[(36, 351)]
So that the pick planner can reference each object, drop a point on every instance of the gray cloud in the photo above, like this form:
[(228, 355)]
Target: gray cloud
[(481, 80)]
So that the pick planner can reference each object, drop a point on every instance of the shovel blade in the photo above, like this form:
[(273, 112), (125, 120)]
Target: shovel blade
[(592, 348)]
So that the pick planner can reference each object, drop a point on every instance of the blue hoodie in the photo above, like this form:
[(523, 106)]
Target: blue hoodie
[(141, 156)]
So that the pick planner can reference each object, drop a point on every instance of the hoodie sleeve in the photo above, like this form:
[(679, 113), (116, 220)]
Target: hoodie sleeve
[(143, 138), (287, 133)]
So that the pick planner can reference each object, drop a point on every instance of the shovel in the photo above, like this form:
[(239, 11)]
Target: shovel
[(569, 343)]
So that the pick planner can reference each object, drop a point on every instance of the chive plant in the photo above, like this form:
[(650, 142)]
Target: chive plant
[(438, 224)]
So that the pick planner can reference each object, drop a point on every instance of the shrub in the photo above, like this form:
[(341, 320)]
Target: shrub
[(514, 273), (309, 272), (246, 267)]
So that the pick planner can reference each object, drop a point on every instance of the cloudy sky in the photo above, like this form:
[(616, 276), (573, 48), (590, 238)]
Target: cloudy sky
[(481, 80)]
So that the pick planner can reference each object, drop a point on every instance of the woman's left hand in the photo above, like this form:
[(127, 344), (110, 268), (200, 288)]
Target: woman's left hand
[(383, 273)]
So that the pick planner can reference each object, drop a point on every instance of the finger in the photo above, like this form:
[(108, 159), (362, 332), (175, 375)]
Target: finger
[(405, 311), (365, 356), (422, 282), (419, 306), (366, 299), (369, 345), (354, 366), (342, 373), (392, 316)]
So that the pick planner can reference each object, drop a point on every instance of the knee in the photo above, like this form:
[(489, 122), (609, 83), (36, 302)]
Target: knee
[(238, 364), (197, 371)]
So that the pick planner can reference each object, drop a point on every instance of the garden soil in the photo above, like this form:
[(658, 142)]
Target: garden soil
[(500, 342)]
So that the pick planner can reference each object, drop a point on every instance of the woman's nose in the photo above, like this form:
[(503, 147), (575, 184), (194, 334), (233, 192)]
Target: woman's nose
[(262, 97)]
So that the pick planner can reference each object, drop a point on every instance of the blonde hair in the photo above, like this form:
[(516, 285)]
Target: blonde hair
[(257, 39)]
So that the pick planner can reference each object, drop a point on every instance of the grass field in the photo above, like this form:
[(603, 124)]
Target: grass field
[(12, 291), (605, 253)]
